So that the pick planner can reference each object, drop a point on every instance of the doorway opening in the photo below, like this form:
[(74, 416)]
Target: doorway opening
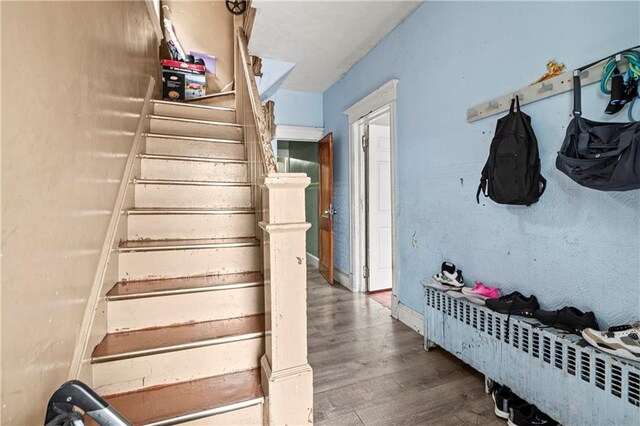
[(373, 195), (302, 157)]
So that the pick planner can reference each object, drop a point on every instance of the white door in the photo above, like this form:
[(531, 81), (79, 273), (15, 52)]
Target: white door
[(379, 203)]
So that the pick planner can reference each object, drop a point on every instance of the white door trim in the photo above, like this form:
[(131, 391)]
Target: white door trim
[(382, 98), (299, 133)]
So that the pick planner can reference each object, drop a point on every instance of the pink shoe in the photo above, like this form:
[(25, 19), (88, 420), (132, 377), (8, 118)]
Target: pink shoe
[(482, 291)]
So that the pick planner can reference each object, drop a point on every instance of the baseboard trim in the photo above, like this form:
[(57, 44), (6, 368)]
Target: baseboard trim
[(312, 261), (343, 279), (87, 334), (412, 319)]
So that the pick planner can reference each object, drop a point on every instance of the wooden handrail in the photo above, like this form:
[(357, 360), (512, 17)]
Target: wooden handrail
[(264, 135)]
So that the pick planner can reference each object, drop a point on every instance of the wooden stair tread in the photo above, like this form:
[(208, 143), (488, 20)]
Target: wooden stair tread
[(131, 289), (187, 399), (149, 341), (132, 245), (189, 182), (193, 120), (193, 138), (189, 210), (192, 105)]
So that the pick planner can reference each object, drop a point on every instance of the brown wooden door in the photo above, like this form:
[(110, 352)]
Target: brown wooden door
[(325, 156)]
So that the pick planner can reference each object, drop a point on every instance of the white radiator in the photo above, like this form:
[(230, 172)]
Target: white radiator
[(571, 381)]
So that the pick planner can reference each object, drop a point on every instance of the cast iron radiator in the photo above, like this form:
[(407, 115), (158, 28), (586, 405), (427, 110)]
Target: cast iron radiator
[(571, 381)]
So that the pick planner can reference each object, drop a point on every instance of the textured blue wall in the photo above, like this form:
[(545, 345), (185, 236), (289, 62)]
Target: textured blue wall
[(576, 246), (294, 108)]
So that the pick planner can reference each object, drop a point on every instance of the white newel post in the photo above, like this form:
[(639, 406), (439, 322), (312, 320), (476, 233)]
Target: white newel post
[(287, 378)]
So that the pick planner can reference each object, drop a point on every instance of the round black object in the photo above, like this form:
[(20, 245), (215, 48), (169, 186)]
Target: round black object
[(199, 61), (237, 7)]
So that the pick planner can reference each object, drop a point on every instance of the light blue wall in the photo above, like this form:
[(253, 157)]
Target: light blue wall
[(294, 108), (576, 246), (274, 73)]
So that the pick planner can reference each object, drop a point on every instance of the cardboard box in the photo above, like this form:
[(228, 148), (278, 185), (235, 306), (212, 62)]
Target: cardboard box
[(181, 80)]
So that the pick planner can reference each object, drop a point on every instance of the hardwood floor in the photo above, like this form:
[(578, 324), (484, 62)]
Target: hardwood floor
[(371, 370)]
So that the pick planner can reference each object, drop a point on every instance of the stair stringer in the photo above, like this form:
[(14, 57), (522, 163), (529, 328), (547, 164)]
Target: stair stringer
[(94, 322)]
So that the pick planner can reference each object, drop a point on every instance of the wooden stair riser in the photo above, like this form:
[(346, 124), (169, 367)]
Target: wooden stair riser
[(139, 372), (146, 312), (153, 168), (192, 226), (141, 265), (184, 196), (224, 101), (185, 111), (194, 148), (187, 128)]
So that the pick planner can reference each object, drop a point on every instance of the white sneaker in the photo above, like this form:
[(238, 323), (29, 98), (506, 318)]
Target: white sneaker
[(449, 276), (623, 341)]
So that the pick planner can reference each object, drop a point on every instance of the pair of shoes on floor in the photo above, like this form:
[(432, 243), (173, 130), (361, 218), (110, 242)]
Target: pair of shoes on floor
[(622, 340), (516, 411), (449, 278)]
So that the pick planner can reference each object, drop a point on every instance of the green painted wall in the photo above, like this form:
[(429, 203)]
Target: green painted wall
[(303, 158)]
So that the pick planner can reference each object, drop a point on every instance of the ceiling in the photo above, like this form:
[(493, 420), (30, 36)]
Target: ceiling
[(324, 38)]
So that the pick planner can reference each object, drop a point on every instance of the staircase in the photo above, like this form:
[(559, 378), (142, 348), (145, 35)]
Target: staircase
[(186, 321), (206, 321)]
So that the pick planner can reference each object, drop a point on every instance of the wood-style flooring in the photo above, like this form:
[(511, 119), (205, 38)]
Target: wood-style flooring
[(370, 369)]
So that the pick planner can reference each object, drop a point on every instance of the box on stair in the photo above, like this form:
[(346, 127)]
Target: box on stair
[(181, 80)]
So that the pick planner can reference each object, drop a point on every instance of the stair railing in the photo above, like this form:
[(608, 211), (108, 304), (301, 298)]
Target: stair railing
[(278, 198)]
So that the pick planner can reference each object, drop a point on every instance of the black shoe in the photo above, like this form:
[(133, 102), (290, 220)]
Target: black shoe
[(529, 415), (514, 304), (568, 319), (503, 400)]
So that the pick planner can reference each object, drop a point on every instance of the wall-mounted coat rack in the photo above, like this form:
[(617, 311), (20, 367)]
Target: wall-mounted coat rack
[(546, 89)]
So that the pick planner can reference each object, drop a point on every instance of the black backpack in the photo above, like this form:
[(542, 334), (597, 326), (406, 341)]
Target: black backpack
[(512, 172)]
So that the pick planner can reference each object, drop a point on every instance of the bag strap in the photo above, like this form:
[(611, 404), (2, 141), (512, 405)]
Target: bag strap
[(481, 188), (543, 181), (626, 138), (577, 89), (484, 177), (515, 101)]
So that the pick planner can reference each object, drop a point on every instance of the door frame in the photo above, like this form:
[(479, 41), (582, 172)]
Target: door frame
[(377, 102)]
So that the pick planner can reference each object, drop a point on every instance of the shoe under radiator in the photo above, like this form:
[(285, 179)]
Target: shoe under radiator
[(560, 373)]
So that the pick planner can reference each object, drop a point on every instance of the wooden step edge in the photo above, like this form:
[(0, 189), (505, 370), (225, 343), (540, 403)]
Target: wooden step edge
[(212, 96), (192, 138), (173, 347), (208, 412), (164, 245), (189, 105), (160, 211), (186, 158), (175, 403), (187, 182), (112, 297), (177, 347), (192, 120)]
